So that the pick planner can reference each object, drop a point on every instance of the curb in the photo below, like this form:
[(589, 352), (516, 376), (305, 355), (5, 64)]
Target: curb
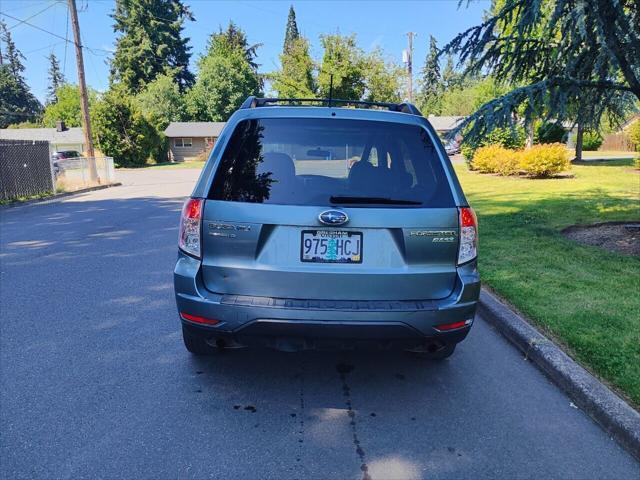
[(606, 408), (58, 196)]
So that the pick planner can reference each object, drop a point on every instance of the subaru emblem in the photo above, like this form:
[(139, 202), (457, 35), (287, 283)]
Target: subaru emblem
[(333, 217)]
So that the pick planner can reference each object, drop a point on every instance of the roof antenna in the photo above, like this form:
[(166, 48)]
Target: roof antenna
[(330, 88)]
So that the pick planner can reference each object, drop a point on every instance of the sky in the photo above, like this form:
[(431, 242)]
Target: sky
[(376, 24)]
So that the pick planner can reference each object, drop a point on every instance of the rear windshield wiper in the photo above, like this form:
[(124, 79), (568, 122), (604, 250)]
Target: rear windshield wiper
[(373, 200)]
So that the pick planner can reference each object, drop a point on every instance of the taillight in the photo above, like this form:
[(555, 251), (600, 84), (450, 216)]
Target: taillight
[(454, 326), (468, 235), (190, 220), (199, 319)]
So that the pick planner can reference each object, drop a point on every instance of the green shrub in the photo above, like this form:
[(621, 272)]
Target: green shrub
[(123, 132), (634, 134), (545, 160), (507, 137), (496, 159), (591, 141), (636, 162), (549, 132), (467, 152)]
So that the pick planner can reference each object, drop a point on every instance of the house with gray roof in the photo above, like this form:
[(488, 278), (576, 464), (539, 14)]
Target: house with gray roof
[(444, 124), (189, 140), (59, 139)]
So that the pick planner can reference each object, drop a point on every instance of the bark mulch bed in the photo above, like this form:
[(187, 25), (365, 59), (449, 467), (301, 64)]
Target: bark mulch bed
[(621, 237)]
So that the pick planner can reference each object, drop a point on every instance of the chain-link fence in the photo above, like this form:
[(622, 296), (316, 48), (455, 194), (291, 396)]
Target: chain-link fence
[(25, 169), (75, 173)]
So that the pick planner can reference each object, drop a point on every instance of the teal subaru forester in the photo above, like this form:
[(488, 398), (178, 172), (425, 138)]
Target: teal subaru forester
[(327, 224)]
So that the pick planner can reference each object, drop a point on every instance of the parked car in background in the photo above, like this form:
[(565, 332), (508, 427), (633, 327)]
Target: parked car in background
[(452, 147), (62, 155), (317, 227), (66, 154)]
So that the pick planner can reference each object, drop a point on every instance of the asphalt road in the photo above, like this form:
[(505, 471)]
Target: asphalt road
[(95, 382)]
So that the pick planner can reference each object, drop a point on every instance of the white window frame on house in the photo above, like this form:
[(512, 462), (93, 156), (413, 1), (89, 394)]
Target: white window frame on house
[(183, 142)]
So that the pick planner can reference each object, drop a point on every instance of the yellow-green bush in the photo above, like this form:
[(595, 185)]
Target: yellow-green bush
[(545, 160), (634, 134), (509, 163), (495, 159)]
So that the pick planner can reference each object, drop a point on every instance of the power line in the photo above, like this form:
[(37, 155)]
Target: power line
[(32, 16), (42, 48), (55, 34)]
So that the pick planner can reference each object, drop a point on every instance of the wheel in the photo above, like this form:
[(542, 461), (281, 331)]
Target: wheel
[(195, 343), (445, 352)]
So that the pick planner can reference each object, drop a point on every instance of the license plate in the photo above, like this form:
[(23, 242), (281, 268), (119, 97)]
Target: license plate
[(331, 246)]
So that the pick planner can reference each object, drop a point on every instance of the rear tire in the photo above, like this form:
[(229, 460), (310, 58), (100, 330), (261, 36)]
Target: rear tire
[(196, 344)]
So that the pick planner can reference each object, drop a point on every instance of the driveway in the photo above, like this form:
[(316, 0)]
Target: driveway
[(95, 382)]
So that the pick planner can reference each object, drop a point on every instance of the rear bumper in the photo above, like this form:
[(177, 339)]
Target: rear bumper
[(269, 321)]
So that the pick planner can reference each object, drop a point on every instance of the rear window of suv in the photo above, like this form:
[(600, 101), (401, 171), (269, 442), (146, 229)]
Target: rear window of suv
[(305, 161)]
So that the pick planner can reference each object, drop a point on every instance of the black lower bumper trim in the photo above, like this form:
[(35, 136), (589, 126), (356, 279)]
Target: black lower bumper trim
[(288, 335)]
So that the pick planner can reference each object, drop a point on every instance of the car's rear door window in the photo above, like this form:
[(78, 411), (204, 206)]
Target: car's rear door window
[(294, 161)]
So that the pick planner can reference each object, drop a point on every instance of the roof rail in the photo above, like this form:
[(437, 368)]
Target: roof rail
[(404, 107)]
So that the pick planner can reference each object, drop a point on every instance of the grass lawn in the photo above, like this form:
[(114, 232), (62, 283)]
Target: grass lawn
[(586, 298), (606, 154)]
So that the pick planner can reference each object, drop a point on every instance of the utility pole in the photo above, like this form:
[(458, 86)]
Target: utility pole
[(410, 65), (84, 99)]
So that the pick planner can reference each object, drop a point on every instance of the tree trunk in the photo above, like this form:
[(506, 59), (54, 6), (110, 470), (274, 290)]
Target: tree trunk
[(579, 144), (529, 130)]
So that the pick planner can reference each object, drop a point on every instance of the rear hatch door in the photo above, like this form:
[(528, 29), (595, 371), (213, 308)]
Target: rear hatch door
[(326, 209)]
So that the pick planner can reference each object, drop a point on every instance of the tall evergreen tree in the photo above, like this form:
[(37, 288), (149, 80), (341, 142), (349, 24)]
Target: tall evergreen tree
[(570, 62), (151, 43), (431, 80), (56, 78), (17, 103), (12, 56), (235, 38), (291, 33), (450, 77), (295, 77)]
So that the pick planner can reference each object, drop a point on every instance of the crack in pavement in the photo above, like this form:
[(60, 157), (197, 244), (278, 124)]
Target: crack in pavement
[(343, 369), (300, 416)]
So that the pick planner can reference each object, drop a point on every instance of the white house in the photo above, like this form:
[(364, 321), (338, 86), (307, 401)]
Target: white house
[(59, 139)]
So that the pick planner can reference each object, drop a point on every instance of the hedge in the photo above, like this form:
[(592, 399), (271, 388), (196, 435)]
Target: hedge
[(545, 160), (538, 161)]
